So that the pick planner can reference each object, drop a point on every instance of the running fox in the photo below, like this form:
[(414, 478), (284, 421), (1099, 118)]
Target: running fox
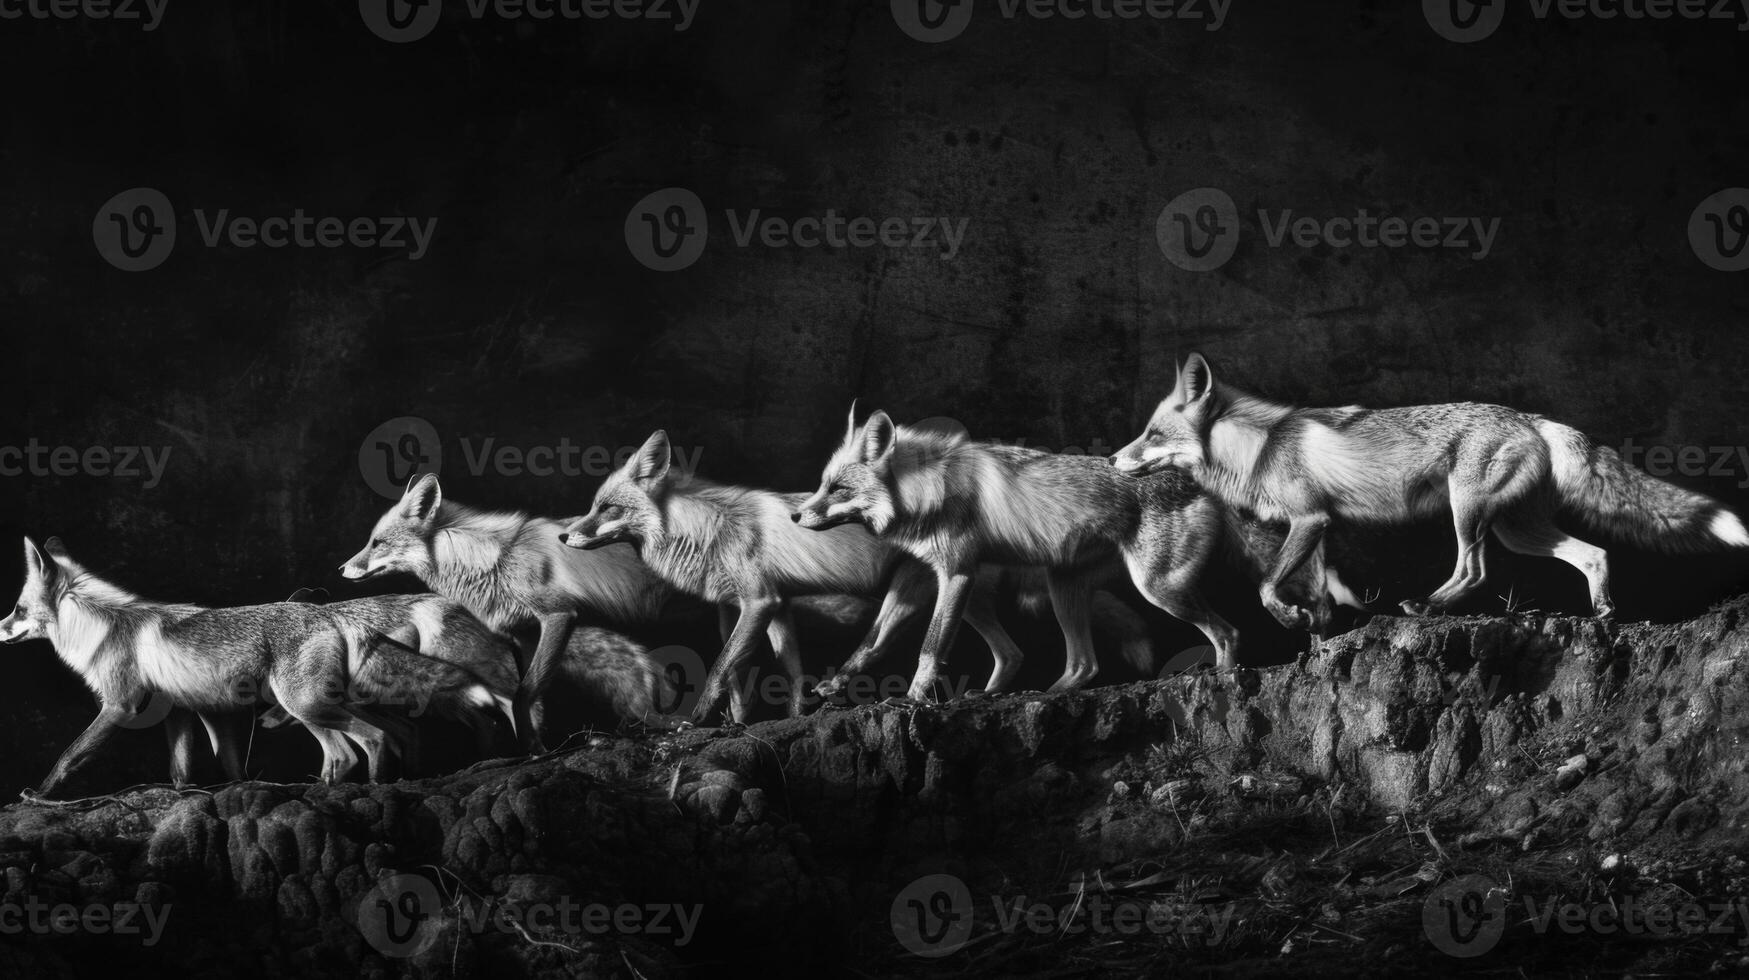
[(216, 661), (952, 503), (737, 546), (1494, 468), (508, 569)]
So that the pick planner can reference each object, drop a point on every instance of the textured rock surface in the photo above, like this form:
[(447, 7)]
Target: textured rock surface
[(1518, 739)]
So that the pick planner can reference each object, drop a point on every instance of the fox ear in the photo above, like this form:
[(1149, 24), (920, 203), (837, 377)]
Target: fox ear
[(422, 498), (56, 548), (1195, 379), (878, 438), (35, 565), (651, 460), (850, 423)]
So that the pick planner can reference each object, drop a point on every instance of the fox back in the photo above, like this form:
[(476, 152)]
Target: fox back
[(719, 542), (507, 568)]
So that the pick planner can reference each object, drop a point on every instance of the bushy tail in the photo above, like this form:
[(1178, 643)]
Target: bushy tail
[(619, 672), (1604, 492), (1121, 622)]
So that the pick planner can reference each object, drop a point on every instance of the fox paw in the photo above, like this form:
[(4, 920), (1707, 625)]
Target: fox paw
[(1292, 617), (831, 687), (1417, 607)]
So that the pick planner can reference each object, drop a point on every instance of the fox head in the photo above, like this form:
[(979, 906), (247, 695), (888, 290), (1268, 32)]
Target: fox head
[(628, 504), (401, 540), (45, 582), (1177, 434), (857, 484)]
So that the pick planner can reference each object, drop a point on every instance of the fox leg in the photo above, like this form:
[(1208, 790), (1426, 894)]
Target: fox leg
[(555, 632), (1305, 535), (904, 599), (1072, 596), (741, 682), (1115, 617), (952, 591), (102, 728), (228, 736), (756, 614), (1167, 566), (782, 633), (1534, 533), (179, 733), (981, 617)]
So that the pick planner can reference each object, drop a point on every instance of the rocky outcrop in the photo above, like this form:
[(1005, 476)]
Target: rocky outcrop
[(1279, 819)]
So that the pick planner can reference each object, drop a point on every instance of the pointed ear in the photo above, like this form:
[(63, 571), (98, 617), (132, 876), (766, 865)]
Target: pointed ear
[(651, 460), (878, 437), (56, 548), (1196, 379), (422, 498), (36, 566), (850, 423)]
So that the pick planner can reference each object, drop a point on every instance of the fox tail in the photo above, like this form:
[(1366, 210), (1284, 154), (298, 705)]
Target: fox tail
[(1603, 491)]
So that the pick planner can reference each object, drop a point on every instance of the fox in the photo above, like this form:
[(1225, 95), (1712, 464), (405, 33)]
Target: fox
[(209, 661), (613, 668), (509, 570), (739, 547), (952, 502), (1494, 469), (427, 627)]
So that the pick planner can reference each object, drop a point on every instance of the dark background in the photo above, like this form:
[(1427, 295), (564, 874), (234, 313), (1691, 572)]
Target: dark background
[(1057, 323)]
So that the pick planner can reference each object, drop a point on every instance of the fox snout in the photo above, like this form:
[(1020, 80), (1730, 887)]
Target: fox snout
[(586, 535)]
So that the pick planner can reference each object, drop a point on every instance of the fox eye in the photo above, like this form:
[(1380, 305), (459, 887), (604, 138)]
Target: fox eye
[(375, 543), (611, 511)]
